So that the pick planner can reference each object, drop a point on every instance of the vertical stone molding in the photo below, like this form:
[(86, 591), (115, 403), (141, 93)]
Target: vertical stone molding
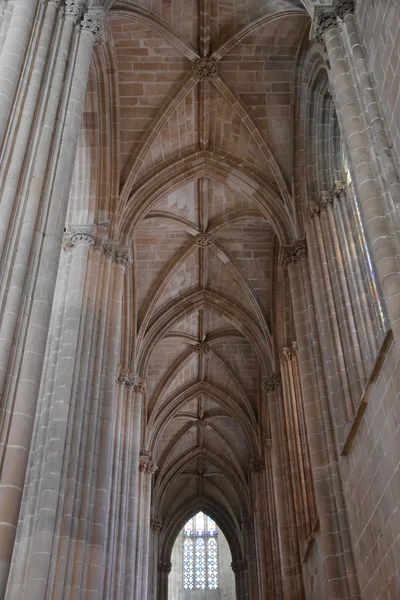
[(378, 228), (299, 456), (147, 468), (33, 220), (323, 458), (289, 565), (78, 432)]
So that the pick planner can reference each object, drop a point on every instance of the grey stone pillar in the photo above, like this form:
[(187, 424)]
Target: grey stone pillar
[(289, 552), (333, 537), (382, 146), (138, 389), (147, 469), (239, 568), (14, 48), (163, 569), (33, 269), (62, 532), (378, 229), (155, 528)]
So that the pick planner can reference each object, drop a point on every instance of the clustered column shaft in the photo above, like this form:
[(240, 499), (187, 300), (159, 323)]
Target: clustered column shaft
[(32, 224), (333, 536), (373, 208)]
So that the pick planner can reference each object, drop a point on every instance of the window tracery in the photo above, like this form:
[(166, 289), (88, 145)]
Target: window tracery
[(200, 553)]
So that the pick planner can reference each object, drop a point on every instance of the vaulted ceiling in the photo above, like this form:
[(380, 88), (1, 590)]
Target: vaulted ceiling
[(205, 98)]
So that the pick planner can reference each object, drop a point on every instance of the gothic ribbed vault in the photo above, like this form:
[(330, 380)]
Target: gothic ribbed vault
[(203, 120)]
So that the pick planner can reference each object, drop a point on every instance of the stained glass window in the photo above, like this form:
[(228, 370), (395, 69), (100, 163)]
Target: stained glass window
[(200, 553)]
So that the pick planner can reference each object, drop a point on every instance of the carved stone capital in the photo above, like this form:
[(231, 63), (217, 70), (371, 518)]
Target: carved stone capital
[(77, 237), (132, 382), (155, 524), (257, 465), (204, 239), (326, 200), (271, 383), (75, 9), (339, 190), (326, 20), (137, 384), (164, 566), (300, 249), (293, 254), (344, 7), (205, 69), (146, 466), (288, 258), (92, 22), (314, 208), (239, 566), (287, 353), (123, 257), (109, 250)]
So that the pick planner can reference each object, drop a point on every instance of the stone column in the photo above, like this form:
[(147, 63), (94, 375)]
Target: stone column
[(303, 486), (163, 569), (257, 468), (382, 146), (147, 469), (239, 568), (62, 532), (333, 537), (33, 269), (291, 570), (16, 43), (119, 576), (138, 389), (378, 228), (155, 527), (250, 554)]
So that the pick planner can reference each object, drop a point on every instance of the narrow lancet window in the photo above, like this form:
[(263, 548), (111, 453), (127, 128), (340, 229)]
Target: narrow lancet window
[(200, 554)]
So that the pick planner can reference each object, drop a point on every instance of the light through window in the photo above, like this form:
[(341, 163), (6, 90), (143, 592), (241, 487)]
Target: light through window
[(200, 554)]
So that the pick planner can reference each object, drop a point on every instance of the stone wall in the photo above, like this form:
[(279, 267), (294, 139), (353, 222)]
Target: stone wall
[(371, 481)]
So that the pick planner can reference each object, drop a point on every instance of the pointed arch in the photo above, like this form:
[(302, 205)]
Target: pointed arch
[(217, 302), (215, 164)]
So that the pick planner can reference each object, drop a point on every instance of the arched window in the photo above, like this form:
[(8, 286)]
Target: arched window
[(200, 554)]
